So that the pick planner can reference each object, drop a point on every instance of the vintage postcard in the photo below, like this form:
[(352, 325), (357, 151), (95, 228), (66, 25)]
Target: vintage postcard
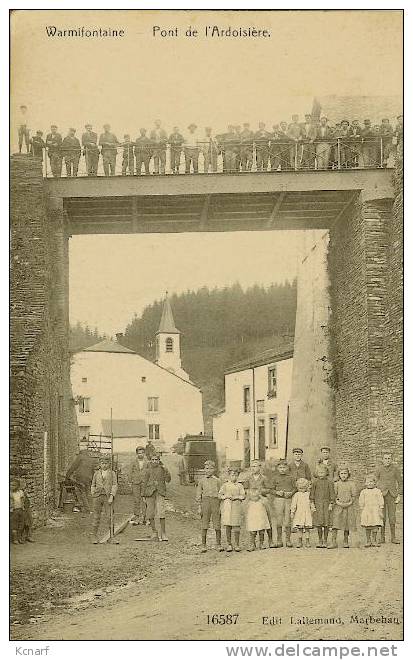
[(206, 409)]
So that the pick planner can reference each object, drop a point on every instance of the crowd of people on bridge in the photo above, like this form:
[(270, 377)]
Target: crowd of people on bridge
[(315, 143)]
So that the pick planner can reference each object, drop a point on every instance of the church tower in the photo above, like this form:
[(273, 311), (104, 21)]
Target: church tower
[(168, 343)]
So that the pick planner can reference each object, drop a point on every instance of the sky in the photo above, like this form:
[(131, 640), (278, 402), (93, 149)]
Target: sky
[(130, 82)]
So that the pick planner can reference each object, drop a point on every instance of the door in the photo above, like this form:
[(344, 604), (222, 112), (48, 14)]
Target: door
[(261, 440)]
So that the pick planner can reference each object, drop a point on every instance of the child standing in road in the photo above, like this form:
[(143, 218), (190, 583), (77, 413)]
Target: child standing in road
[(257, 519), (301, 512), (343, 511), (256, 480), (371, 503), (231, 495), (282, 487), (103, 489), (154, 490), (208, 504), (322, 498)]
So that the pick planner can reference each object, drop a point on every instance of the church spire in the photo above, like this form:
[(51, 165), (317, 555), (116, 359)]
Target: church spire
[(167, 323)]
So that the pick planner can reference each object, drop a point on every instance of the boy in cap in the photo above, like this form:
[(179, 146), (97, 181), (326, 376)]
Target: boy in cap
[(54, 146), (207, 491), (108, 141), (103, 489), (390, 483), (298, 468), (128, 159), (326, 460), (137, 477), (90, 150), (37, 145), (71, 152), (154, 489), (191, 149), (281, 487)]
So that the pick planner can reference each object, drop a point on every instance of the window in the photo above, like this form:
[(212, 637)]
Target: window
[(273, 431), (154, 432), (153, 403), (84, 404), (84, 380), (272, 381), (169, 345), (247, 399), (260, 406), (143, 379)]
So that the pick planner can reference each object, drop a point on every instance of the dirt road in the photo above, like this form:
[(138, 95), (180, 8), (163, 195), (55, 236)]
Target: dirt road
[(334, 585)]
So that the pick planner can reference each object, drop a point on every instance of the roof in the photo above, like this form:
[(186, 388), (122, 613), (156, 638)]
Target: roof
[(124, 428), (265, 357), (107, 346), (167, 323)]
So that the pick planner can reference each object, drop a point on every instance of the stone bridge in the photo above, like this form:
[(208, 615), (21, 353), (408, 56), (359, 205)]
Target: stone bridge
[(358, 360)]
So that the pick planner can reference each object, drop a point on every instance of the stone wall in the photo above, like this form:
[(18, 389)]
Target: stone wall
[(359, 274), (43, 429)]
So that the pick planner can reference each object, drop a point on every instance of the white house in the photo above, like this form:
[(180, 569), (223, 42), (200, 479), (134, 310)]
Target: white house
[(148, 400), (254, 423)]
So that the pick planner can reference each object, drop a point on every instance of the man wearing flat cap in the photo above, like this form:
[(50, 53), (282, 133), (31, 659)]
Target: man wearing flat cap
[(368, 149), (71, 152), (90, 150), (191, 149), (108, 142), (325, 459), (298, 468), (54, 150)]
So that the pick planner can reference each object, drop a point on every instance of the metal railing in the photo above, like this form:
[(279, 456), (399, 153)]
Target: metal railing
[(272, 156)]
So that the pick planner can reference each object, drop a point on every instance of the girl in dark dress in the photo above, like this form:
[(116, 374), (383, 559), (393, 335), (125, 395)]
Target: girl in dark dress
[(322, 497)]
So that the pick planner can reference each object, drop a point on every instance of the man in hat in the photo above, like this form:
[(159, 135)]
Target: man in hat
[(369, 145), (108, 142), (54, 150), (298, 468), (37, 145), (71, 152), (143, 151), (209, 150), (247, 147), (128, 158), (262, 152), (137, 478), (308, 151), (355, 142), (323, 137), (295, 134), (389, 481), (191, 149), (158, 141), (23, 128), (325, 459), (386, 133), (156, 477), (90, 150), (176, 141)]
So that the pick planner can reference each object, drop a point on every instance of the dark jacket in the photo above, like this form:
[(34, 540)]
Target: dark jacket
[(54, 143), (137, 474), (83, 468), (389, 479), (70, 146), (155, 480), (301, 472), (90, 140), (37, 146)]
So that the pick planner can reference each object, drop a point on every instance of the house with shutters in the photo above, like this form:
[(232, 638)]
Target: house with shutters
[(254, 423), (116, 388)]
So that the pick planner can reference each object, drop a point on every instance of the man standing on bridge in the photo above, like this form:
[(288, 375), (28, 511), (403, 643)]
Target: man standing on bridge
[(71, 152), (159, 139), (90, 150), (54, 146), (142, 151), (108, 141)]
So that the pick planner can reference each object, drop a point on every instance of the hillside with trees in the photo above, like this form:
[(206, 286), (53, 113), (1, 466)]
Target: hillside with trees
[(219, 328), (81, 336)]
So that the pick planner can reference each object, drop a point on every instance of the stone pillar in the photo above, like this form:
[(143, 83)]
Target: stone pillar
[(358, 269), (311, 414)]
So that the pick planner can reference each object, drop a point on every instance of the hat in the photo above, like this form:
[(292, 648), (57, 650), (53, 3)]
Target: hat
[(367, 121), (282, 461), (39, 132), (72, 129), (126, 135), (106, 125), (53, 126), (297, 450), (234, 469), (192, 125), (88, 125), (326, 448), (139, 447)]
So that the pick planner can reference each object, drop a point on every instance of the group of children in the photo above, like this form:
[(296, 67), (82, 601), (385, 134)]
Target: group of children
[(290, 499)]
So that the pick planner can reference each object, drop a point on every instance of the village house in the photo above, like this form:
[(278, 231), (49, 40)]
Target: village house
[(149, 400), (254, 423)]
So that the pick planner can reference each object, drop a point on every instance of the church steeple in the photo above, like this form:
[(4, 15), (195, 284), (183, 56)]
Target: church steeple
[(168, 344)]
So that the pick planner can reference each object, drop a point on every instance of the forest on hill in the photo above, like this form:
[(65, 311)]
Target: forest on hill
[(219, 328)]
